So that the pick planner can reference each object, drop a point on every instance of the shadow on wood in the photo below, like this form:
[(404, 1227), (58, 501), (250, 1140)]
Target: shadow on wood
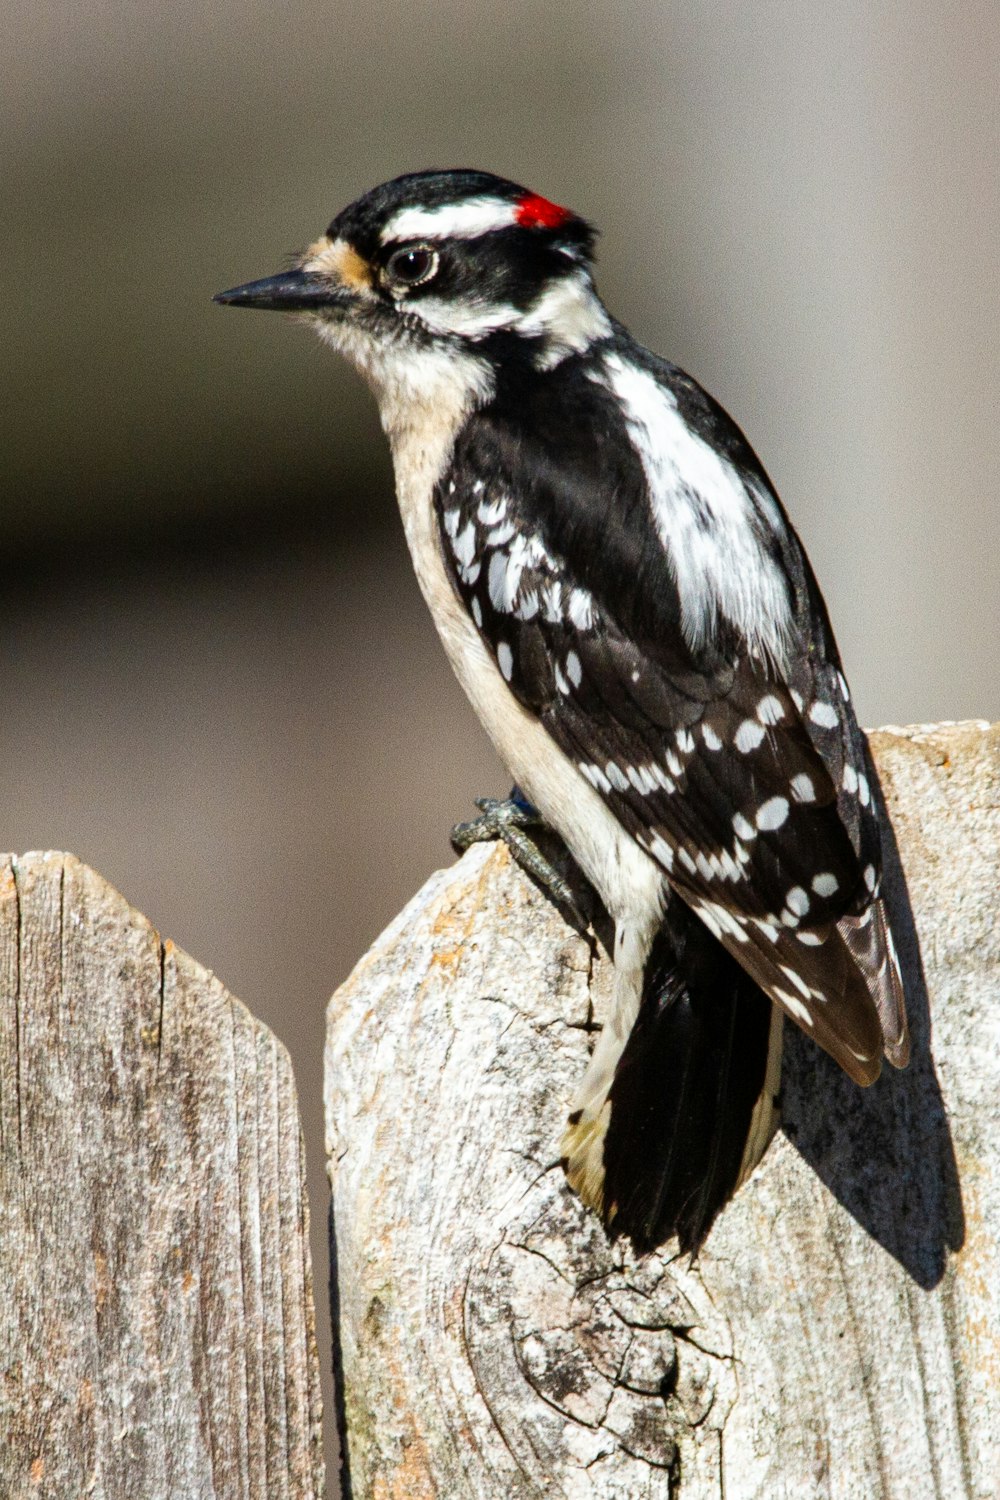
[(886, 1152), (840, 1332)]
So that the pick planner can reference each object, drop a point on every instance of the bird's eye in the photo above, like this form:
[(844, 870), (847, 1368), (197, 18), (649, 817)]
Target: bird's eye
[(412, 265)]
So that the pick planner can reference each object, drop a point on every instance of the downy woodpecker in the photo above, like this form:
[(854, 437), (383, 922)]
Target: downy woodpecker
[(635, 622)]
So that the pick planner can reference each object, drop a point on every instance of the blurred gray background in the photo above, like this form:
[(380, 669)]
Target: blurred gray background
[(219, 686)]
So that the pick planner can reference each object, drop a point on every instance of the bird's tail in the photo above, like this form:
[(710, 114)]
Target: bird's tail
[(692, 1102)]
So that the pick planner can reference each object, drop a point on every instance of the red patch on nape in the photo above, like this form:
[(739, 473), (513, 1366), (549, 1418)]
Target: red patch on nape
[(534, 212)]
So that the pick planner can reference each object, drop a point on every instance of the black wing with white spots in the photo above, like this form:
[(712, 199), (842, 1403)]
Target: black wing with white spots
[(745, 776)]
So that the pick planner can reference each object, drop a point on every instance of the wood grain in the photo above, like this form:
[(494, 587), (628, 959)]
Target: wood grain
[(156, 1320), (839, 1335)]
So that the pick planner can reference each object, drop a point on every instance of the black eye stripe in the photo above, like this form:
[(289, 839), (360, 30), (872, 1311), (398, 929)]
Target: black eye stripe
[(412, 265)]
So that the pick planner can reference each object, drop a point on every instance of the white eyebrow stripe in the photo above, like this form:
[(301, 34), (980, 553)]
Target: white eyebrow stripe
[(474, 216)]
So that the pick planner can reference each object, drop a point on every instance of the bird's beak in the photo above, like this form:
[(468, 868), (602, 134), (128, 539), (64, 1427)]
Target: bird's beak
[(292, 291)]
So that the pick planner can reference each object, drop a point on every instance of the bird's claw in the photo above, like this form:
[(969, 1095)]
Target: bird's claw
[(506, 819)]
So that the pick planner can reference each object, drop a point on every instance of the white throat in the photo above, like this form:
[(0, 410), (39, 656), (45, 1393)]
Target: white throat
[(424, 391)]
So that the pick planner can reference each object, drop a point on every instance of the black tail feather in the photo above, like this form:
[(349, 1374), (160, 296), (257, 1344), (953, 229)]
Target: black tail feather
[(684, 1094)]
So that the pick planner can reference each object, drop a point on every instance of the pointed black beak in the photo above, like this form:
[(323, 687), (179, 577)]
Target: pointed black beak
[(292, 291)]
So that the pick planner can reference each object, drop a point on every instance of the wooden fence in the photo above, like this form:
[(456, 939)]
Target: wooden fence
[(838, 1336)]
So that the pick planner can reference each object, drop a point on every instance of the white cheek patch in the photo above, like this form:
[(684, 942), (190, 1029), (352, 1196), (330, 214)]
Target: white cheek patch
[(706, 517), (463, 220), (469, 320), (568, 317)]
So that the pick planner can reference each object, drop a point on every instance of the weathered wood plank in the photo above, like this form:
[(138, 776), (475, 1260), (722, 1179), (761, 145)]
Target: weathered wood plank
[(840, 1333), (156, 1320)]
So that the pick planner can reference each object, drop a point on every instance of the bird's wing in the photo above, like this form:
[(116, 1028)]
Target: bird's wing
[(747, 780)]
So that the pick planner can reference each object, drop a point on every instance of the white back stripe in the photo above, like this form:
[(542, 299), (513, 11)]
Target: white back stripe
[(706, 519)]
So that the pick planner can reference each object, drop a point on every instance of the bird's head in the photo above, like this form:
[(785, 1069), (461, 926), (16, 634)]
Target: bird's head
[(440, 270)]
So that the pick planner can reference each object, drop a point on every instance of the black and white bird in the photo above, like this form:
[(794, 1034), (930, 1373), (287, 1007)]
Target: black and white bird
[(635, 622)]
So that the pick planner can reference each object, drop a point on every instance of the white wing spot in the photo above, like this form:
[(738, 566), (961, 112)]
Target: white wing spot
[(662, 778), (796, 698), (464, 544), (850, 778), (766, 925), (719, 919), (642, 779), (552, 601), (674, 765), (797, 901), (794, 1006), (799, 983), (477, 611), (581, 609), (811, 939), (596, 777), (749, 736), (825, 884), (705, 913), (870, 877), (823, 714), (561, 684), (771, 814), (845, 691), (743, 828), (712, 741), (770, 710), (864, 791), (498, 580), (452, 519), (492, 511), (687, 861), (574, 671), (685, 741), (802, 788), (616, 776), (505, 660), (661, 850), (501, 533)]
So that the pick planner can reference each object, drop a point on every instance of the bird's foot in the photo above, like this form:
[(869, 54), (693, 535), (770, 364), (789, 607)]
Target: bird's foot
[(506, 819)]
